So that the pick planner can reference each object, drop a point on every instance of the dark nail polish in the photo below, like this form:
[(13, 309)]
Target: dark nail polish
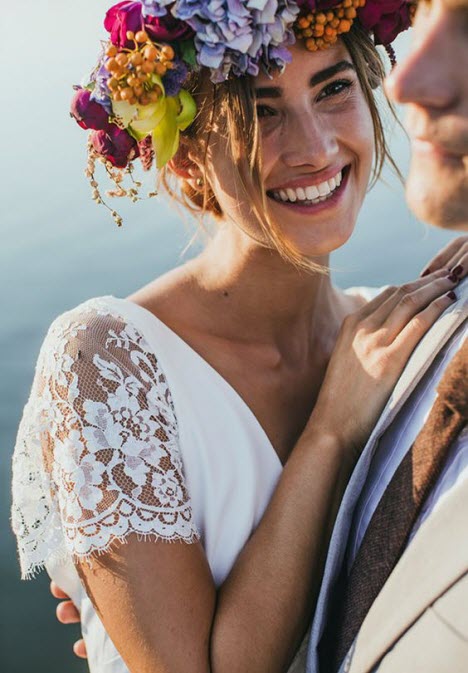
[(451, 295), (453, 278), (425, 273), (457, 270)]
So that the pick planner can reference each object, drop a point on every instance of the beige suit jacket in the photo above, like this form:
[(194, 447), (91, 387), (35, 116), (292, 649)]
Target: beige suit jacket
[(419, 621)]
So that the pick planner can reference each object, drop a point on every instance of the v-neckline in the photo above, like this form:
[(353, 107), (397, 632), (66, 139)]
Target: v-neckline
[(150, 315)]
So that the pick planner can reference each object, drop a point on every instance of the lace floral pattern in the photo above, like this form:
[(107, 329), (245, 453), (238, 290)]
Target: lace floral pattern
[(97, 452)]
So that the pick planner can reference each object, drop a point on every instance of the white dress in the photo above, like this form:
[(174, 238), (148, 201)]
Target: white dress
[(129, 430)]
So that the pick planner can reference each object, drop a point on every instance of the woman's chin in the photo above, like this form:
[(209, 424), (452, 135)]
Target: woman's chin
[(317, 230), (318, 238), (324, 247)]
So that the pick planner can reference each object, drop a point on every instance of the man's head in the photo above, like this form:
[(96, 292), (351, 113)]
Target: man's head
[(433, 82)]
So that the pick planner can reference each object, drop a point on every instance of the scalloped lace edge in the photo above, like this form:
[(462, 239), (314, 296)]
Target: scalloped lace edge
[(60, 558)]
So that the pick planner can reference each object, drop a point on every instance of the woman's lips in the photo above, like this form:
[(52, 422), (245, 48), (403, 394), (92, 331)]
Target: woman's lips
[(305, 207)]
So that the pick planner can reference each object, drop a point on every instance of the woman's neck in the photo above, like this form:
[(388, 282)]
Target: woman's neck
[(262, 297)]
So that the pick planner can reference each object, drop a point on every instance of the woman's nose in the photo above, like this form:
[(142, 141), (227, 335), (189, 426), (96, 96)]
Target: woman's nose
[(310, 142)]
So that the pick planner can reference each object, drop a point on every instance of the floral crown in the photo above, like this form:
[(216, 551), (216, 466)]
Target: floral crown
[(134, 102)]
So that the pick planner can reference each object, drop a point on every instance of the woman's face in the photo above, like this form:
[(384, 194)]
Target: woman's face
[(317, 145)]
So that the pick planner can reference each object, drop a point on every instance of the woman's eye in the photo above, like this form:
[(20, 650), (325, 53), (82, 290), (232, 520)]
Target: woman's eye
[(335, 88), (265, 111)]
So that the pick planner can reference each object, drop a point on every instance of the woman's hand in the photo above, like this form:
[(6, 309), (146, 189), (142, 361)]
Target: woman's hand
[(67, 613), (454, 257), (372, 349)]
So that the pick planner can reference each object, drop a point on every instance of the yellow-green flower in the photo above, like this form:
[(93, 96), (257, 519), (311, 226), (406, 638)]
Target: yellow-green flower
[(163, 120)]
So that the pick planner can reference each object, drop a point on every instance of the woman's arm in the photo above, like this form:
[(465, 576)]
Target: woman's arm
[(158, 601), (159, 604)]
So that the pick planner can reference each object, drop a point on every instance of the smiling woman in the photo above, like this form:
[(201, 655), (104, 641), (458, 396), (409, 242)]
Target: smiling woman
[(319, 99), (223, 406)]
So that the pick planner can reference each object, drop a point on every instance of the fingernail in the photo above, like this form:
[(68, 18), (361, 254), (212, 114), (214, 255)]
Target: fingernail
[(451, 295), (453, 278), (425, 273), (457, 270)]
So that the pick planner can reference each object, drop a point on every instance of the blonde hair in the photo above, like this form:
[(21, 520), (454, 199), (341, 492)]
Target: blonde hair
[(231, 107)]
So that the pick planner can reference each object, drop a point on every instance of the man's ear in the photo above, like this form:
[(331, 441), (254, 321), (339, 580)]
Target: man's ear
[(182, 163)]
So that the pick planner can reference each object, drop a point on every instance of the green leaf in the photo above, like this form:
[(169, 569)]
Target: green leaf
[(166, 134), (188, 110), (189, 55), (156, 79)]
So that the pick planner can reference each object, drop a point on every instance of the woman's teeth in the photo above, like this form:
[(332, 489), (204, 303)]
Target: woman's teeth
[(312, 194)]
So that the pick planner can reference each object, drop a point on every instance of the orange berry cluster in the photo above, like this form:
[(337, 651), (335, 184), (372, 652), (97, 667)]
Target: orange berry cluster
[(320, 30), (132, 69)]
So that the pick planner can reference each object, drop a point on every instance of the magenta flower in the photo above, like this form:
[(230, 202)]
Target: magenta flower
[(385, 18), (122, 17), (167, 28), (317, 5), (88, 113), (115, 145), (126, 15)]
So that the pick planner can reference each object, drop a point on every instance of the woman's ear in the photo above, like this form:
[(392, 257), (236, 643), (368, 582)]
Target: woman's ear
[(183, 165)]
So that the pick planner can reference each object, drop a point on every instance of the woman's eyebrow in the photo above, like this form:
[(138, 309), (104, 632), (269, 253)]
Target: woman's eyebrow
[(318, 78), (268, 92), (323, 75)]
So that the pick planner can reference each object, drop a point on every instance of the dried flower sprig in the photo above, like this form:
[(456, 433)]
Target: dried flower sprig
[(117, 177)]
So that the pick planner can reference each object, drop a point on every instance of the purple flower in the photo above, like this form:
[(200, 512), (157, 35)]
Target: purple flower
[(174, 79), (115, 145), (234, 36), (88, 113), (156, 7), (101, 93)]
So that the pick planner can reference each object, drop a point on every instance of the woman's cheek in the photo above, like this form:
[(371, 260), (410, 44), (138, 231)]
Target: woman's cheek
[(362, 138)]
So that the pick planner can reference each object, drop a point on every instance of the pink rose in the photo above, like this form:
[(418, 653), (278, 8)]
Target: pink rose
[(115, 145), (126, 15), (88, 113), (385, 18)]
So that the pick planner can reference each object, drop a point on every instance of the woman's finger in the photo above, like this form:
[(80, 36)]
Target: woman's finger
[(67, 613), (410, 336), (379, 311), (79, 648), (444, 258), (459, 264), (57, 592), (414, 303)]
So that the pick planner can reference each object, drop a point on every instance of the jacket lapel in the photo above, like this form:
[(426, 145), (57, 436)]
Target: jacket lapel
[(435, 559), (417, 366)]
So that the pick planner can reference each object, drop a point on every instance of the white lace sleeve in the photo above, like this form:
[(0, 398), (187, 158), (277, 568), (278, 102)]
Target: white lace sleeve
[(97, 454)]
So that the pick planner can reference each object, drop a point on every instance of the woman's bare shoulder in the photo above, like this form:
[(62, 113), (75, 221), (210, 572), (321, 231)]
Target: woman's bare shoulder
[(170, 296)]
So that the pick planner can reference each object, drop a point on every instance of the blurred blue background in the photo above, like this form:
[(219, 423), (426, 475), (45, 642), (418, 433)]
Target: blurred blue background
[(57, 248)]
